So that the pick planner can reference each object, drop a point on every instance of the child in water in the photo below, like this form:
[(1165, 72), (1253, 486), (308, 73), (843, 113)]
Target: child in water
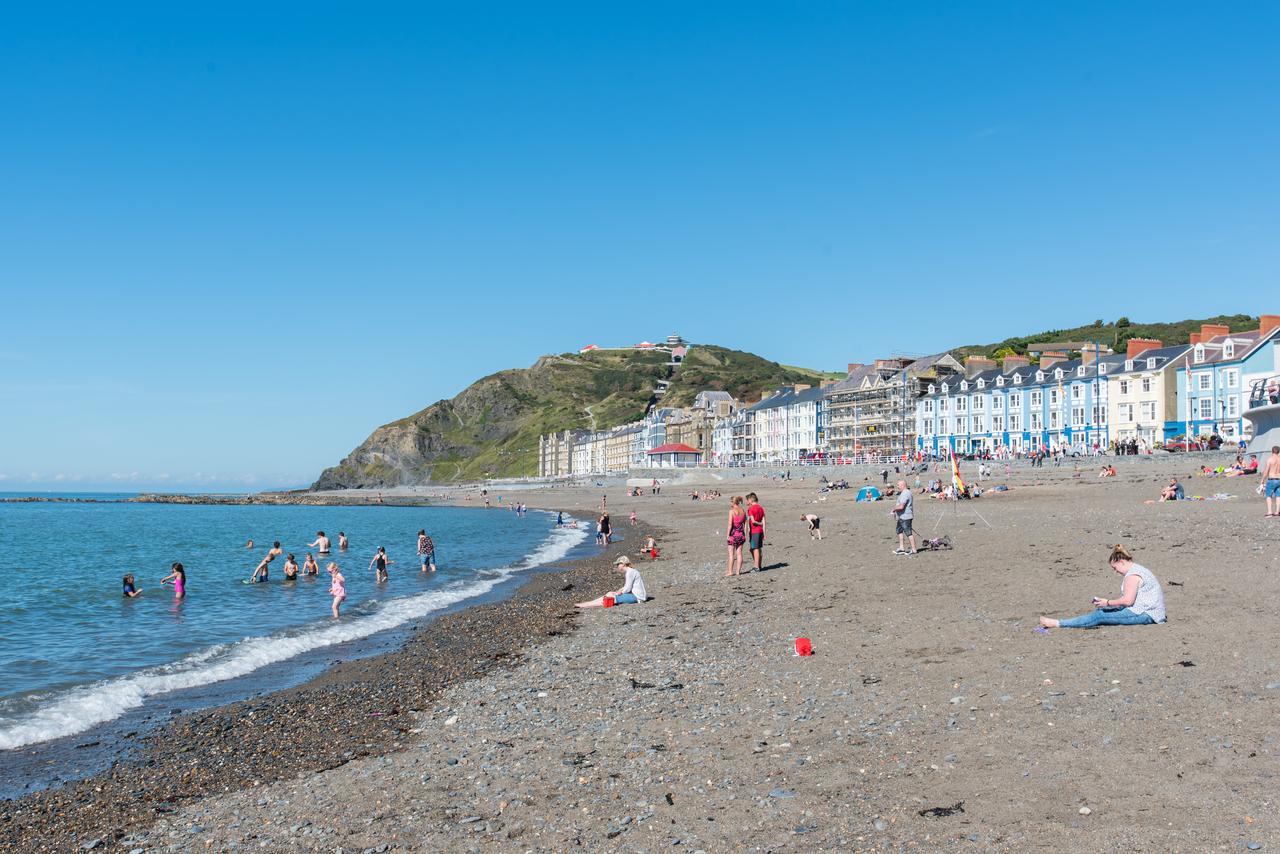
[(178, 577), (380, 563), (130, 592), (337, 588), (342, 541), (290, 569), (309, 566)]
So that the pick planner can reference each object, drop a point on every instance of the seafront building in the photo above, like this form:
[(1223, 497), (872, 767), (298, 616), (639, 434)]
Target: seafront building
[(786, 424), (1142, 394), (1216, 373), (873, 410)]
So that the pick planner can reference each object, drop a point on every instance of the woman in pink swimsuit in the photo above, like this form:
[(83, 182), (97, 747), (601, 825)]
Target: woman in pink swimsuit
[(179, 580), (337, 589)]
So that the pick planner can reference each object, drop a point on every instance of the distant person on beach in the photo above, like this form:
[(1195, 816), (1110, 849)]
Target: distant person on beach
[(263, 569), (290, 569), (309, 566), (560, 519), (130, 591), (426, 551), (905, 512), (178, 578), (755, 530), (322, 541), (1141, 599), (342, 541), (633, 518), (815, 532), (651, 548), (606, 529), (337, 588), (737, 528), (379, 563), (632, 593), (1271, 481), (1172, 492)]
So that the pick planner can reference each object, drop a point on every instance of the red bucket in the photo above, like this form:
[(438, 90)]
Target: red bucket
[(804, 646), (608, 602)]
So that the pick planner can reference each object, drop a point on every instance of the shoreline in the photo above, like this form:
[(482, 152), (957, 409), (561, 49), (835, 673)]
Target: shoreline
[(353, 708)]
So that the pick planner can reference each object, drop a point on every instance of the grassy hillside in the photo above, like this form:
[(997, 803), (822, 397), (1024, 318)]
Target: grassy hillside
[(1114, 333), (491, 429)]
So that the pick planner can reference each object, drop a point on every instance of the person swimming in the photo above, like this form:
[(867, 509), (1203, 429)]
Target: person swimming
[(290, 569), (178, 578), (261, 573), (309, 566), (342, 541), (130, 591)]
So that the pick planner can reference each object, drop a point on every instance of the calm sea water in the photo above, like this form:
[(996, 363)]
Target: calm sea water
[(75, 653)]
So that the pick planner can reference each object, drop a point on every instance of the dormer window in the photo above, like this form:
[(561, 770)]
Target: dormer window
[(982, 383), (932, 389), (1080, 371), (1128, 364), (1197, 355), (1057, 374), (1000, 382), (945, 387), (1151, 364), (1039, 376), (1102, 367), (964, 385), (1229, 349), (1017, 379)]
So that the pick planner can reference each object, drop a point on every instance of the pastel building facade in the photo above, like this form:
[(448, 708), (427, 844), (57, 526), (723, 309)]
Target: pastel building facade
[(786, 424), (1142, 393), (1216, 373)]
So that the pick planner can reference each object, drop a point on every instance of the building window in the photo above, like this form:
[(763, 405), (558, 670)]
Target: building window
[(1077, 391), (1102, 367), (997, 402), (1015, 422), (1037, 398), (1054, 419), (1204, 380), (997, 423), (928, 406), (1148, 410), (1080, 371), (1035, 421), (1126, 413), (1017, 379), (1039, 376), (1146, 385), (1151, 364), (1229, 349), (1233, 406), (961, 404), (1077, 416), (1124, 386), (960, 425), (979, 424), (1197, 355), (942, 405), (1128, 364), (1053, 397), (1206, 408), (1231, 378), (1015, 401), (979, 402)]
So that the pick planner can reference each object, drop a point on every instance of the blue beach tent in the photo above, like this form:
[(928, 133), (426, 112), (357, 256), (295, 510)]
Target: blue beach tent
[(868, 493)]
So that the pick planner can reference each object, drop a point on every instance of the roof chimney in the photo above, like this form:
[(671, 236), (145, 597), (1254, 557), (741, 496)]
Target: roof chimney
[(798, 387), (1211, 330), (1194, 339), (1141, 345), (1014, 362), (974, 365), (853, 366), (1266, 323), (1049, 358)]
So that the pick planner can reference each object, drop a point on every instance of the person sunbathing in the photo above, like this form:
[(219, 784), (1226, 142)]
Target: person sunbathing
[(1141, 600)]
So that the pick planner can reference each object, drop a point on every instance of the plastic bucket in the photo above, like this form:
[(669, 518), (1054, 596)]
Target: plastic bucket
[(608, 602), (804, 646)]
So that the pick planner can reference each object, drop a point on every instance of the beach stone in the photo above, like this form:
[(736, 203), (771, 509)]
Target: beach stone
[(1085, 811), (92, 844), (879, 824)]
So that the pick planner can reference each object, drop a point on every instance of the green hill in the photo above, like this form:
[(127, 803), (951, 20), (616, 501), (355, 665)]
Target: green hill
[(491, 429), (1114, 334)]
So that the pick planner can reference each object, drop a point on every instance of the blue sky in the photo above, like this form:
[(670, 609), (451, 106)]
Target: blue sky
[(235, 239)]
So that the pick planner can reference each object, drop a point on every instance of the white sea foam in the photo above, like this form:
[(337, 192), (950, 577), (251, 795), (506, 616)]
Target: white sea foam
[(78, 709)]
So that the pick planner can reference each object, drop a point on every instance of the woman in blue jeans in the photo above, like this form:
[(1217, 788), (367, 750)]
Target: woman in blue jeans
[(1141, 600)]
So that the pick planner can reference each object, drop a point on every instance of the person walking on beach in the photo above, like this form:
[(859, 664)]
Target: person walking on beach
[(263, 570), (814, 523), (1271, 481), (342, 541), (755, 515), (309, 566), (905, 513), (337, 588), (1141, 599), (633, 518), (379, 563), (178, 578), (426, 551), (737, 529), (322, 541)]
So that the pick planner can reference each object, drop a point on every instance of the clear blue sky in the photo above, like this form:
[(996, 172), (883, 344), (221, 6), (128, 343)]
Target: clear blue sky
[(234, 240)]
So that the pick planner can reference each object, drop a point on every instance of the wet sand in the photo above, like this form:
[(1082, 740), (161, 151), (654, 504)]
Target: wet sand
[(931, 715)]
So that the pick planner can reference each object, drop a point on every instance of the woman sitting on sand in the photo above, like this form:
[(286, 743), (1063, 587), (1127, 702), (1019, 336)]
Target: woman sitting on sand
[(632, 592), (1141, 599)]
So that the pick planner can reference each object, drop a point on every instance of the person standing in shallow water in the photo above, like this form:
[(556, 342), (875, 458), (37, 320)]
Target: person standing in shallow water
[(178, 578), (342, 541), (380, 563), (426, 551), (337, 589), (321, 541)]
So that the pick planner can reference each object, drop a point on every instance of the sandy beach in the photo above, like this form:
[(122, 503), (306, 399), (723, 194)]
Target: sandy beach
[(930, 715)]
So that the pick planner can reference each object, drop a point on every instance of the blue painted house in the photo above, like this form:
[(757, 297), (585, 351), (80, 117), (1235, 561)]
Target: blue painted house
[(1215, 375)]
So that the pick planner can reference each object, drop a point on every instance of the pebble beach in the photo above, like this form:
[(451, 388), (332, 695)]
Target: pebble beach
[(930, 715)]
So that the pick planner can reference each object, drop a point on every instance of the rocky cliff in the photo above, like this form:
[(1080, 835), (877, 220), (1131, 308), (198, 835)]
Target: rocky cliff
[(491, 429)]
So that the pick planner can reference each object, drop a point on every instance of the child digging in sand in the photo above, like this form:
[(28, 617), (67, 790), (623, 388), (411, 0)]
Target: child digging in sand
[(815, 532)]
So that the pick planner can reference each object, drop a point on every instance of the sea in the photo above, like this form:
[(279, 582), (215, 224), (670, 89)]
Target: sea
[(75, 654)]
